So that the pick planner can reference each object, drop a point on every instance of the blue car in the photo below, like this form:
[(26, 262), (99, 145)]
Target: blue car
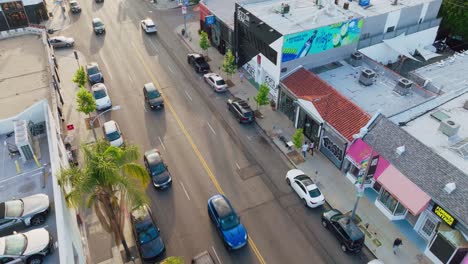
[(227, 222)]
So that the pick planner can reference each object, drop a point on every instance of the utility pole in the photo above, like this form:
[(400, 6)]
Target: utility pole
[(366, 164), (184, 12)]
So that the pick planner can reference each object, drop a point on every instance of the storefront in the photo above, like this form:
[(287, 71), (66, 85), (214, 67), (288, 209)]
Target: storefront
[(448, 246), (220, 33), (18, 14), (333, 146)]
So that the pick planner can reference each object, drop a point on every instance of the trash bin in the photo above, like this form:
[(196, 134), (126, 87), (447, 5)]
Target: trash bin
[(50, 14), (183, 32)]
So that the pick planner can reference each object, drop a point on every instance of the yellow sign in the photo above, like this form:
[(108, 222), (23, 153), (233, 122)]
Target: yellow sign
[(440, 212)]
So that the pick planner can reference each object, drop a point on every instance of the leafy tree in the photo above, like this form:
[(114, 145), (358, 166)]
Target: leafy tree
[(262, 95), (109, 181), (455, 17), (80, 77), (298, 138), (229, 66), (85, 101), (204, 42), (173, 260)]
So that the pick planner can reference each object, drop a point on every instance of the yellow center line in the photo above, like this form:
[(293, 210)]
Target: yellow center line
[(194, 147)]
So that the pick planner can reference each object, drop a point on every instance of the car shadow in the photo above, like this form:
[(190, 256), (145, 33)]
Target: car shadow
[(97, 6), (96, 42), (149, 40)]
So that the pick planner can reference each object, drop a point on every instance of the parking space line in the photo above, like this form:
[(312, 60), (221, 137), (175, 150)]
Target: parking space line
[(188, 96), (237, 165), (216, 254), (154, 46), (131, 80), (162, 144), (170, 69), (212, 130), (186, 193), (16, 176)]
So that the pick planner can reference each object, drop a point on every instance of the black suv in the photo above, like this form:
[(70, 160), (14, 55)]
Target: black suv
[(152, 96), (198, 63), (146, 232), (241, 109), (349, 234)]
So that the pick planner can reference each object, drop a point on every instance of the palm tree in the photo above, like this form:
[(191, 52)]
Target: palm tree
[(109, 181)]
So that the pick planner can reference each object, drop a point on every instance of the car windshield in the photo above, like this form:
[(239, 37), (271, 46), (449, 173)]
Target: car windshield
[(248, 114), (150, 26), (153, 94), (15, 244), (14, 208), (200, 60), (73, 4), (229, 222), (93, 70), (157, 169), (113, 136), (98, 24), (98, 94), (220, 82), (314, 193), (147, 234)]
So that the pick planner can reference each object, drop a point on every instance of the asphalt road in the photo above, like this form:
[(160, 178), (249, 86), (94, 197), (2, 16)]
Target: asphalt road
[(206, 150)]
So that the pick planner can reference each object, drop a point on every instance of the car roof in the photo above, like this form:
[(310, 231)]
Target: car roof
[(216, 77), (91, 65), (99, 86), (351, 228), (245, 107), (306, 180), (153, 157), (96, 19), (110, 126), (150, 87), (195, 55), (73, 1), (221, 205), (148, 21), (60, 37)]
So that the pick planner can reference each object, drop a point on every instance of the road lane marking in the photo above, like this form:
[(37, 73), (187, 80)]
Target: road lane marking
[(107, 67), (154, 46), (131, 80), (192, 144), (237, 165), (186, 193), (188, 96), (170, 69), (162, 144), (212, 130), (216, 255)]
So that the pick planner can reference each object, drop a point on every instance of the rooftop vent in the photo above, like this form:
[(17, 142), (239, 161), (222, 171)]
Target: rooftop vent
[(400, 150), (367, 77), (284, 8), (449, 127), (466, 105), (346, 6), (356, 59), (403, 86), (450, 187)]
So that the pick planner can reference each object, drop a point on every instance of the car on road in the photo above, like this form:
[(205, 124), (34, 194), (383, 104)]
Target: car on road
[(198, 62), (152, 96), (241, 110), (305, 188), (29, 247), (101, 96), (98, 26), (147, 235), (61, 42), (99, 1), (30, 210), (148, 26), (227, 222), (203, 258), (113, 134), (94, 73), (75, 6), (348, 233), (215, 81), (157, 169)]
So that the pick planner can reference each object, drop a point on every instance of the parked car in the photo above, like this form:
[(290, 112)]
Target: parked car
[(146, 232), (94, 73), (203, 258), (98, 26), (215, 81), (241, 110), (113, 133), (152, 96), (75, 6), (101, 96), (30, 247), (348, 233), (305, 187), (30, 210), (61, 42), (99, 1), (227, 222), (148, 26), (198, 62), (157, 169)]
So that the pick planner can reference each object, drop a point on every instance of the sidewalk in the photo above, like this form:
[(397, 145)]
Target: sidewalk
[(59, 20), (338, 190)]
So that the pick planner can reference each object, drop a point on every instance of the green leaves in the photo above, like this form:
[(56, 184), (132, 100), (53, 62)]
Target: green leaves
[(85, 101), (454, 15), (262, 95), (204, 42), (80, 77), (298, 138), (229, 66)]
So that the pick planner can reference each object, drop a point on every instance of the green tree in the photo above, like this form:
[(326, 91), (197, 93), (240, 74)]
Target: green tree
[(85, 101), (262, 95), (204, 42), (229, 66), (298, 138), (109, 181), (454, 15), (80, 77), (173, 260)]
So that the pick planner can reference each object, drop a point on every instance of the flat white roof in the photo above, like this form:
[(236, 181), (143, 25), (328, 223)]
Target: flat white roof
[(222, 9), (426, 129)]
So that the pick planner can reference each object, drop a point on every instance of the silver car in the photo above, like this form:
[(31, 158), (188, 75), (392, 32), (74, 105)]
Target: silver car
[(61, 42), (30, 210)]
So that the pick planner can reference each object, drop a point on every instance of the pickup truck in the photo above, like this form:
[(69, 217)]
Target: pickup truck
[(198, 62)]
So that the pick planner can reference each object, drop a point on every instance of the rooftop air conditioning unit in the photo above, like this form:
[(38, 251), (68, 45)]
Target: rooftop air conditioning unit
[(403, 86), (449, 127), (466, 105), (356, 59), (284, 8), (23, 140), (367, 77)]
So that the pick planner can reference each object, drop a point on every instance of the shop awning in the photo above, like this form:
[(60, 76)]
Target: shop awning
[(398, 44), (404, 190), (359, 151)]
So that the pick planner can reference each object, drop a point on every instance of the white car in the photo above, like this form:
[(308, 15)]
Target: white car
[(30, 247), (113, 133), (305, 188), (101, 96), (31, 210), (216, 82), (148, 26)]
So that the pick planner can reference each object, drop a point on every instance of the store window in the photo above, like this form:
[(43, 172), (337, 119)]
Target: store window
[(14, 14), (392, 204), (287, 106)]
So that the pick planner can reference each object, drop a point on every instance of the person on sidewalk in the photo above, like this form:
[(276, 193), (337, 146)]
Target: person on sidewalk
[(311, 147), (304, 149), (396, 245)]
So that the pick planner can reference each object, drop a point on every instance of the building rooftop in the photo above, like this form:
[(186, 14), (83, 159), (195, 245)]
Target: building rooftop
[(378, 96), (222, 9), (306, 14)]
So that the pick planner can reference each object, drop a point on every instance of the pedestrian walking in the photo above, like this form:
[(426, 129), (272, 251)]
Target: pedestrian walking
[(311, 147), (241, 76), (304, 149), (396, 245)]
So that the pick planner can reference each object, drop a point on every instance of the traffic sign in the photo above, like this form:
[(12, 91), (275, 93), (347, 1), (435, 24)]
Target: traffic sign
[(209, 20), (70, 127), (184, 10)]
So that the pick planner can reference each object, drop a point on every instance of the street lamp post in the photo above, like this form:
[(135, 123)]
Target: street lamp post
[(91, 123)]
